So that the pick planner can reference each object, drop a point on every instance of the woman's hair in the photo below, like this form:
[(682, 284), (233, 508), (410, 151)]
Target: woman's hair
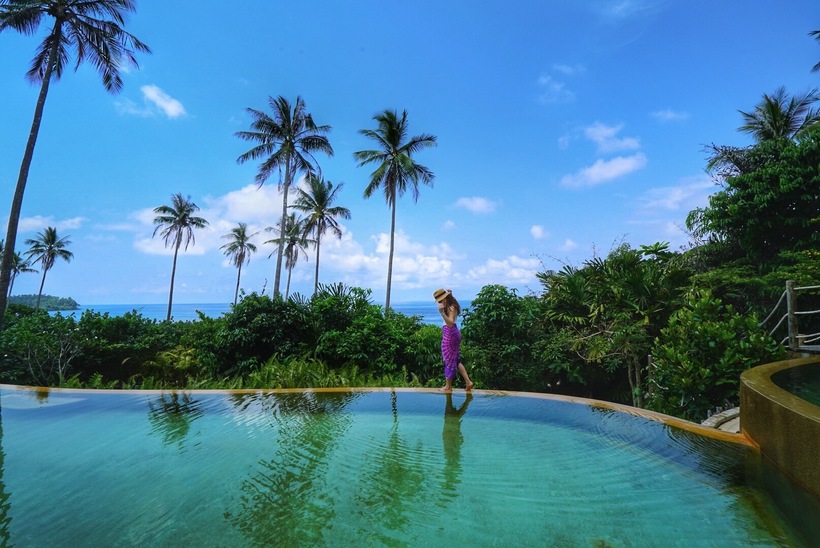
[(451, 302)]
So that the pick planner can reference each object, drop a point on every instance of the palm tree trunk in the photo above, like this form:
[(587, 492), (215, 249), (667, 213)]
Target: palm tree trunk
[(22, 179), (390, 256), (42, 283), (316, 275), (236, 293), (11, 283), (286, 189), (287, 287), (173, 274)]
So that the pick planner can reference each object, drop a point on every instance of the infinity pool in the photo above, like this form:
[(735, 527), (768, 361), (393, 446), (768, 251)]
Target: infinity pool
[(366, 468)]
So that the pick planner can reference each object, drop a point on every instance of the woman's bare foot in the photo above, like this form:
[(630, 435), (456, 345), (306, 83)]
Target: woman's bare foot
[(445, 389), (469, 386)]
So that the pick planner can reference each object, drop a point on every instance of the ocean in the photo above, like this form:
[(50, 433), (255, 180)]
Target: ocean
[(188, 311)]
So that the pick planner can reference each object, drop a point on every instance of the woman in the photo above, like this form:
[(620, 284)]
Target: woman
[(449, 309)]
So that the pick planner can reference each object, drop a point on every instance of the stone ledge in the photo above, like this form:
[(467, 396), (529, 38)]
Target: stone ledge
[(719, 419)]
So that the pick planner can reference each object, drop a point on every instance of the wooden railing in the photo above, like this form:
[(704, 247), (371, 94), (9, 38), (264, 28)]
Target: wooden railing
[(794, 339)]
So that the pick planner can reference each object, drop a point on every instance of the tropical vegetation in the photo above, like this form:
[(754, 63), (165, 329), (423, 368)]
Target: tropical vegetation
[(317, 204), (90, 29), (45, 249), (647, 326), (286, 140), (396, 170), (176, 224)]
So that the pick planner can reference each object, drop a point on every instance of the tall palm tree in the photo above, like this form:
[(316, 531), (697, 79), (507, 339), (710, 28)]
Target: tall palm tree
[(91, 30), (46, 248), (293, 239), (395, 168), (779, 116), (176, 223), (239, 250), (317, 203), (286, 141), (19, 265), (816, 34)]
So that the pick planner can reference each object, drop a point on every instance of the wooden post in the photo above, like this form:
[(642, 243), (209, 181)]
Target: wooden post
[(791, 307)]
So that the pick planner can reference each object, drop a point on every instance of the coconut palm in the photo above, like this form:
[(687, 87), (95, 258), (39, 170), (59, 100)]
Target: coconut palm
[(816, 34), (90, 30), (293, 239), (286, 141), (239, 250), (176, 223), (395, 169), (19, 265), (317, 203), (780, 116), (46, 248)]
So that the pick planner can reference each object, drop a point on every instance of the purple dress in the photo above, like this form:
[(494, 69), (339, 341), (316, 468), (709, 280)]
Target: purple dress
[(450, 344)]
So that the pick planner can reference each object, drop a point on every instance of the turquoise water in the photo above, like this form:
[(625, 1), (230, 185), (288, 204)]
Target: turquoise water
[(802, 381), (365, 468), (190, 312)]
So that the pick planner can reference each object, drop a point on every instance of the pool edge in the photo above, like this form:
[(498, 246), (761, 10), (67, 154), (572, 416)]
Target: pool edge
[(784, 426)]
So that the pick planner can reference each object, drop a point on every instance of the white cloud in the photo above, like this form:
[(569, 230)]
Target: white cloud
[(568, 245), (668, 115), (164, 102), (603, 171), (553, 91), (476, 204), (538, 232), (686, 196), (155, 101), (448, 225), (39, 222), (606, 138), (569, 70), (512, 270)]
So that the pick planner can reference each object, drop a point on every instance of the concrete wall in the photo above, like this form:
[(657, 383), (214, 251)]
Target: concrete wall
[(785, 427)]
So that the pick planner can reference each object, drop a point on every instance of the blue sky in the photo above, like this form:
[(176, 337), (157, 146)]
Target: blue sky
[(564, 128)]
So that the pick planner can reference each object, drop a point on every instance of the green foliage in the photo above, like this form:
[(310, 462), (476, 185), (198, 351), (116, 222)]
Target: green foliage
[(256, 329), (39, 349), (771, 207), (499, 331), (47, 302), (698, 358), (606, 314)]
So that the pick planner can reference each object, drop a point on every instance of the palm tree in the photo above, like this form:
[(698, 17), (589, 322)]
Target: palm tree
[(293, 239), (395, 169), (176, 223), (239, 249), (46, 248), (92, 30), (19, 265), (286, 140), (816, 34), (317, 203), (779, 116)]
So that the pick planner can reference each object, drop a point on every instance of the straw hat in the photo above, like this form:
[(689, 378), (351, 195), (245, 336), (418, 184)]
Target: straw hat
[(441, 294)]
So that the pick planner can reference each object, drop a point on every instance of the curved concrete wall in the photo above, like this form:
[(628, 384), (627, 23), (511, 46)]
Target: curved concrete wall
[(785, 427)]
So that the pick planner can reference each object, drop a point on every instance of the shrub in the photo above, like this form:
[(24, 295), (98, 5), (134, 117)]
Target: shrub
[(698, 359)]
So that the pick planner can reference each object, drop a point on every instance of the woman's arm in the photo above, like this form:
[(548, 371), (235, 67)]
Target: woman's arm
[(449, 315)]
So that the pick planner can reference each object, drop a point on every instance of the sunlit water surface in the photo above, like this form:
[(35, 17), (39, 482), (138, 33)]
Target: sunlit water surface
[(374, 468)]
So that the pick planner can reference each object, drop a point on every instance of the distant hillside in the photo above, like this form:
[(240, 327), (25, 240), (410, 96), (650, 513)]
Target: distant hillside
[(48, 302)]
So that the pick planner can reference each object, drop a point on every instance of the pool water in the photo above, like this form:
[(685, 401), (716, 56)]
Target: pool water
[(802, 381), (396, 468)]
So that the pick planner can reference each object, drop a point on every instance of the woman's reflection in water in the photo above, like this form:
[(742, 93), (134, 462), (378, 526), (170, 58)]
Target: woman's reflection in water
[(452, 439)]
